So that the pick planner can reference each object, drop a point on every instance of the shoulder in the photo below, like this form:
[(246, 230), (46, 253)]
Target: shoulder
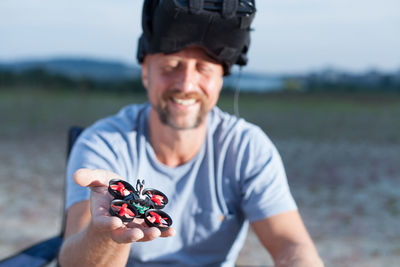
[(241, 146), (125, 120), (227, 128), (118, 126)]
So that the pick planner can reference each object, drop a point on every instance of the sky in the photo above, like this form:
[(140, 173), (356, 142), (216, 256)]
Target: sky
[(290, 36)]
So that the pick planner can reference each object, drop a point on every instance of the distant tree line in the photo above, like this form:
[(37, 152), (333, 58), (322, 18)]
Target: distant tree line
[(372, 81), (325, 81), (384, 84), (39, 78)]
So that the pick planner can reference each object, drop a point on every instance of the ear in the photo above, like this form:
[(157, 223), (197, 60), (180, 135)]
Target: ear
[(145, 80)]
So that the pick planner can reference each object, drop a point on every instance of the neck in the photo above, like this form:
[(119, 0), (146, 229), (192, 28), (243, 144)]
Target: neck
[(175, 147)]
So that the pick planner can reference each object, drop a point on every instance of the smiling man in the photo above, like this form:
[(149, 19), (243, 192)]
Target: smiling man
[(182, 87), (220, 172)]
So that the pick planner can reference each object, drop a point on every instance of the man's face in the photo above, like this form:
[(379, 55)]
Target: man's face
[(182, 87)]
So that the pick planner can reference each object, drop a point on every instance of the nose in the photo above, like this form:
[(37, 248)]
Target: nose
[(188, 78)]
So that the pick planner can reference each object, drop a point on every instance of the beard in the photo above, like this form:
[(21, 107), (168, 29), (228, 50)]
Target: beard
[(181, 120)]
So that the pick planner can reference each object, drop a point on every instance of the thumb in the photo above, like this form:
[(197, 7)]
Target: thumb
[(94, 178)]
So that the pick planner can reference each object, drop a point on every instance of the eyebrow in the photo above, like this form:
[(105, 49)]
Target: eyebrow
[(205, 58)]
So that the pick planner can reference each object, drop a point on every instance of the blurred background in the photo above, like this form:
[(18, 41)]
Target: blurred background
[(323, 81)]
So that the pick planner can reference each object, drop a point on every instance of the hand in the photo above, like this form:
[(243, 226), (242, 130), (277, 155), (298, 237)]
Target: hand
[(102, 221)]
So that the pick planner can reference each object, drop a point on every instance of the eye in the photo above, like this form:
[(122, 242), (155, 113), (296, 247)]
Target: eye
[(204, 68), (171, 65)]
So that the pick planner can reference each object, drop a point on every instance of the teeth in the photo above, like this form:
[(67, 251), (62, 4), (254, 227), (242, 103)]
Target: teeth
[(185, 102)]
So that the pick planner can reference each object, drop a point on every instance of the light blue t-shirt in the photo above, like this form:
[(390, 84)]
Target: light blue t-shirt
[(237, 177)]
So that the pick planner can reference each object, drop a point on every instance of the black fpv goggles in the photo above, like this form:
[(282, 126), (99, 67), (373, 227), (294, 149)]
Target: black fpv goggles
[(221, 27)]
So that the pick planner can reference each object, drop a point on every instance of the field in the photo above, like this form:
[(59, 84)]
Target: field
[(341, 152)]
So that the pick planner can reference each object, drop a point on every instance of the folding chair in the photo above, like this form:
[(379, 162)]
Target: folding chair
[(46, 251)]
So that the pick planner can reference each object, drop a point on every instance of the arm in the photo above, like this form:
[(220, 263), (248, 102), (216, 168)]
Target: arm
[(92, 236), (286, 238), (87, 245)]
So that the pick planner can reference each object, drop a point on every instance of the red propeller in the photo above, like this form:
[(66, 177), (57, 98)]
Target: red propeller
[(157, 199), (119, 187), (156, 218), (124, 210)]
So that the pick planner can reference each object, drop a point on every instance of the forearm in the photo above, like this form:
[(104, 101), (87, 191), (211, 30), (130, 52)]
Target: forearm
[(299, 256), (92, 248)]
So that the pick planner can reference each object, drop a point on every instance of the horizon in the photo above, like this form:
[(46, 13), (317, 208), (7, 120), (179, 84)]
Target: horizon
[(235, 69)]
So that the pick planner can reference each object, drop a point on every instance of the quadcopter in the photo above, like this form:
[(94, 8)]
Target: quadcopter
[(130, 203)]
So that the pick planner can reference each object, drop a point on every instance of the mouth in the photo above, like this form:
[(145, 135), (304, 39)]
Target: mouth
[(184, 102), (182, 110)]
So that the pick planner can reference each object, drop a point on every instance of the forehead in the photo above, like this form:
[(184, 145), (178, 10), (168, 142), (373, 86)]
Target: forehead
[(192, 52)]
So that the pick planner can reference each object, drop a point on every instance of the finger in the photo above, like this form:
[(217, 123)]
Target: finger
[(144, 234), (120, 233), (94, 178), (169, 232), (107, 223), (150, 233), (142, 224), (137, 222), (127, 235)]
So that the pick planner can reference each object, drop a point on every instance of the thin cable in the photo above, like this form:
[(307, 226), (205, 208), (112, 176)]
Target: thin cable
[(236, 96)]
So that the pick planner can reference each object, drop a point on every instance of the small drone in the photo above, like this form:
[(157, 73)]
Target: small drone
[(130, 203)]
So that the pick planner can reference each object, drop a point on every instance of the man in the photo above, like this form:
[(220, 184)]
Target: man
[(219, 172)]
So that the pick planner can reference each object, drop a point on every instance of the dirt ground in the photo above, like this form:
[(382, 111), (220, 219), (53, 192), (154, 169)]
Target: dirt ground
[(348, 195)]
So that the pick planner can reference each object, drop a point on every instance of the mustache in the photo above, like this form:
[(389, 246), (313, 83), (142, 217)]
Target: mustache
[(183, 95)]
